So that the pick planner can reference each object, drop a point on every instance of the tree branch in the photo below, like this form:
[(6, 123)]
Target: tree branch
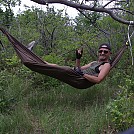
[(127, 11), (85, 7), (108, 3)]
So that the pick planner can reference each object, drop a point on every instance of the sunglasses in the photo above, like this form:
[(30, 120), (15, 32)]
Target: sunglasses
[(104, 51)]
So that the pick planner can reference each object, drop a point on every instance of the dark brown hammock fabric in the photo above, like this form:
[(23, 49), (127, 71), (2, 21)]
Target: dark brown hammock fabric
[(62, 73)]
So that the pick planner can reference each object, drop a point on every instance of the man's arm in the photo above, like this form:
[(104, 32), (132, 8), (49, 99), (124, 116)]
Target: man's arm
[(78, 57), (77, 64), (103, 73)]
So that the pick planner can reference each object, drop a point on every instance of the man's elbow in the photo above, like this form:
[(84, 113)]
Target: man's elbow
[(95, 81), (98, 81)]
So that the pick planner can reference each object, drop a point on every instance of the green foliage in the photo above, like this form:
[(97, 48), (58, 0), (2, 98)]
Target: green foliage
[(128, 84), (11, 88), (12, 62), (53, 58), (31, 101), (7, 16), (39, 50), (5, 98), (122, 108)]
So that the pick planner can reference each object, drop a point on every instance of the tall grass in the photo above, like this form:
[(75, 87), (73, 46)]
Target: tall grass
[(13, 117), (64, 110), (58, 109)]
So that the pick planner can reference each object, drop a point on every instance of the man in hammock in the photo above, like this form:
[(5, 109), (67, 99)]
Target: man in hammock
[(79, 77), (95, 71)]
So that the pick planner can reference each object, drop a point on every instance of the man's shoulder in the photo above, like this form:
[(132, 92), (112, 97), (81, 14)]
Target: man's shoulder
[(107, 64)]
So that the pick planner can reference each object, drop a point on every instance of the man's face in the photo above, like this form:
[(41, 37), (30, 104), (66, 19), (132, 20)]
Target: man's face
[(104, 54)]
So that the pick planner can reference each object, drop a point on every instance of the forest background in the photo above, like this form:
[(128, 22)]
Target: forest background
[(31, 103)]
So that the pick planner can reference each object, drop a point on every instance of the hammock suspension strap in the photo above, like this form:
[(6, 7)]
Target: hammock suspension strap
[(129, 41)]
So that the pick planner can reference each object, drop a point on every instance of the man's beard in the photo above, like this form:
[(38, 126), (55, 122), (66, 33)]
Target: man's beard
[(102, 58)]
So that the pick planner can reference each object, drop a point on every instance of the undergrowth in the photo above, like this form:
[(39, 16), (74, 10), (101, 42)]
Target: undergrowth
[(40, 104)]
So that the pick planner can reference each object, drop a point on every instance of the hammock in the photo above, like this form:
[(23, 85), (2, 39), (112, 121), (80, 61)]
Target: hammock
[(63, 73)]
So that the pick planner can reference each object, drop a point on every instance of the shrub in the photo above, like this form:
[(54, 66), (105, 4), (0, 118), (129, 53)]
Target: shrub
[(122, 108)]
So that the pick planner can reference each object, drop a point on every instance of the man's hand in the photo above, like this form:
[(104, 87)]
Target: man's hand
[(78, 70), (79, 53)]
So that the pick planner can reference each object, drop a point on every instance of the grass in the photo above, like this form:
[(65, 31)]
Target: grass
[(15, 123), (66, 110), (73, 120), (56, 110)]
